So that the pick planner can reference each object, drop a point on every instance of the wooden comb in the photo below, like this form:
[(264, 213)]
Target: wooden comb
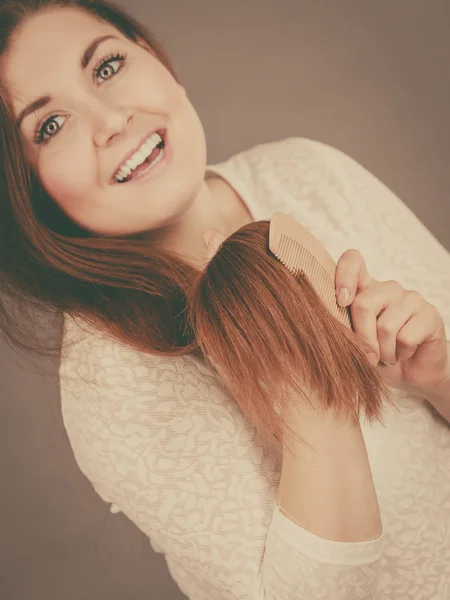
[(302, 253)]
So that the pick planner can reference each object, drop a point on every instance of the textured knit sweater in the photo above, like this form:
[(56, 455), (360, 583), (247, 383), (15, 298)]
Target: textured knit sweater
[(161, 441)]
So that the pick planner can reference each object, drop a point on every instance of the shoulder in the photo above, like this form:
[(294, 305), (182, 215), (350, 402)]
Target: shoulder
[(92, 358), (286, 149), (292, 159), (281, 150)]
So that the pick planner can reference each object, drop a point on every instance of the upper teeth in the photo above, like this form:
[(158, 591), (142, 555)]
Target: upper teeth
[(138, 157)]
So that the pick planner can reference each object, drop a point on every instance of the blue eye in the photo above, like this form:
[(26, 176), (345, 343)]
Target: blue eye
[(104, 64)]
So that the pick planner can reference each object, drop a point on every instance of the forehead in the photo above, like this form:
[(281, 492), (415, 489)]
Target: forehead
[(47, 49)]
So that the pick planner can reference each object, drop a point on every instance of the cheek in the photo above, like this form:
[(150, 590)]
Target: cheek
[(67, 177), (153, 87)]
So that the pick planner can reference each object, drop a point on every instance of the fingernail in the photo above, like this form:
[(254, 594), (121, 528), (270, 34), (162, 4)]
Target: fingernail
[(343, 296)]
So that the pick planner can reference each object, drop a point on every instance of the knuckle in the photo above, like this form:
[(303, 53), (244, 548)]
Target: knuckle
[(405, 341), (415, 295), (395, 285), (434, 311), (385, 329), (361, 303)]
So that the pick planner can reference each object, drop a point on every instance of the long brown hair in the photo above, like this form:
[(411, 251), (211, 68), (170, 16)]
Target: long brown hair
[(265, 332)]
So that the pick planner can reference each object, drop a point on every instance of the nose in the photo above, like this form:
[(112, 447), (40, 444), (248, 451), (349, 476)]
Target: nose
[(109, 121)]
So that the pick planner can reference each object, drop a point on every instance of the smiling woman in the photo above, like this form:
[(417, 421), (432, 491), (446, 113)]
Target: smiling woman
[(176, 364), (108, 94)]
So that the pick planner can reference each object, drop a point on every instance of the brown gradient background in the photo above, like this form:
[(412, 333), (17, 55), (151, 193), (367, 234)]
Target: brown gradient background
[(370, 78)]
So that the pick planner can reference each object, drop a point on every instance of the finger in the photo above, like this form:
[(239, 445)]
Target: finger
[(424, 326), (351, 273), (393, 343), (366, 307)]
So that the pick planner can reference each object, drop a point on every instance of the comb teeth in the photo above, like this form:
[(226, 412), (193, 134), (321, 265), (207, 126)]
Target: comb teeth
[(299, 261), (301, 253)]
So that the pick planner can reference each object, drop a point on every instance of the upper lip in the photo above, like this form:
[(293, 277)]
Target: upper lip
[(161, 132)]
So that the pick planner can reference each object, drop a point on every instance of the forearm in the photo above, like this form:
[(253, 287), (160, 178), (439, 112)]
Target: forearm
[(440, 400), (439, 396), (330, 492)]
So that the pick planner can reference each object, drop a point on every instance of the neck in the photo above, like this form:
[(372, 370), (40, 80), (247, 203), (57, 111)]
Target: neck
[(216, 206)]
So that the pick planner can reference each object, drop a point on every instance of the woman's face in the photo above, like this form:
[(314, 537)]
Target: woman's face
[(97, 115)]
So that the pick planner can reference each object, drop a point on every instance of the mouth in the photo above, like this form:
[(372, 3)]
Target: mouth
[(152, 145)]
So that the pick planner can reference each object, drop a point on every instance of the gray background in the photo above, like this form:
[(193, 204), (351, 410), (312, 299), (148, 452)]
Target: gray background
[(369, 77)]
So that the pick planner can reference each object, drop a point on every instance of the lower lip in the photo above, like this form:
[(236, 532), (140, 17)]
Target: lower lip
[(153, 170)]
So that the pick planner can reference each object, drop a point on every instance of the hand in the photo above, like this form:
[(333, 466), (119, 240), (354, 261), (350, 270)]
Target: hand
[(406, 332)]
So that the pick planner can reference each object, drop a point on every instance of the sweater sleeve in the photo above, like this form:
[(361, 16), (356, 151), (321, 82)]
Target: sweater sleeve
[(162, 442)]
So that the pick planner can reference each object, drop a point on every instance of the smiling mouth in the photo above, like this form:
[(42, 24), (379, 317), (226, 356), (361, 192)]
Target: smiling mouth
[(151, 159)]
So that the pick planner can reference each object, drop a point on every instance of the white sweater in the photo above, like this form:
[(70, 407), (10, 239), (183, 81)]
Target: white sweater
[(161, 441)]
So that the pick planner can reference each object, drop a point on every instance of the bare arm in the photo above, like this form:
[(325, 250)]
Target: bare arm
[(439, 396), (330, 491)]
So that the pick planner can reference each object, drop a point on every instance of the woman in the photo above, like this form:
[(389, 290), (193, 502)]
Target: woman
[(115, 246)]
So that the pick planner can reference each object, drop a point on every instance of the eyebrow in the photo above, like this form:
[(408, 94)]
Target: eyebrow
[(84, 62)]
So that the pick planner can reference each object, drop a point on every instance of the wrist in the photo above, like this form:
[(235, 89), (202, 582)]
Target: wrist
[(439, 394), (439, 397), (435, 392)]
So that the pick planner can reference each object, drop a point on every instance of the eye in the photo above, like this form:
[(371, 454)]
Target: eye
[(41, 130), (105, 65), (105, 70)]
